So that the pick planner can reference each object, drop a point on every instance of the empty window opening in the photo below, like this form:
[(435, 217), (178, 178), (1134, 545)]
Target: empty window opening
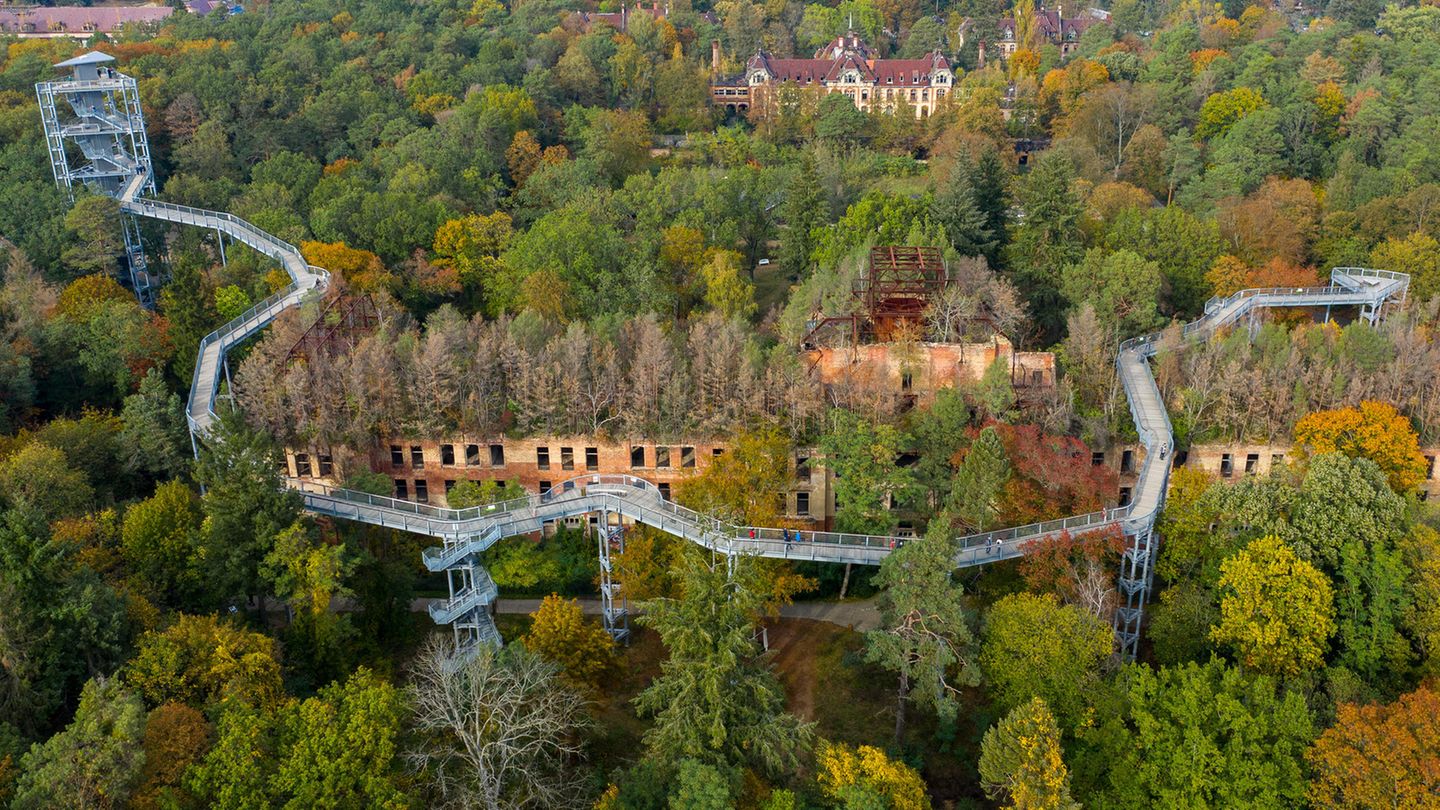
[(402, 489), (907, 381), (802, 504), (327, 465), (1097, 459), (802, 468), (542, 458), (665, 491), (1181, 456), (417, 457), (1429, 468), (1227, 467), (1252, 463), (687, 457), (1127, 461), (497, 455), (447, 455), (1125, 496), (449, 485), (397, 456), (567, 458), (302, 465), (422, 491), (472, 455), (1276, 460), (592, 458), (637, 457), (544, 487), (662, 457)]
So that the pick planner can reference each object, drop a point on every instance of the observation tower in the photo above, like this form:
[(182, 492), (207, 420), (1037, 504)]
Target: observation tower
[(95, 132)]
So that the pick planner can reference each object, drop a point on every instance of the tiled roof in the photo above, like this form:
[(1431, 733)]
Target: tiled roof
[(77, 19), (901, 72)]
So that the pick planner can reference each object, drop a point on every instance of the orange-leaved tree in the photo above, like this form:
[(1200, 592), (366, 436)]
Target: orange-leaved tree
[(1380, 755), (361, 269), (1376, 431)]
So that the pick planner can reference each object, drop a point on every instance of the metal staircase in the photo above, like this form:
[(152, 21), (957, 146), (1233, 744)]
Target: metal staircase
[(466, 533), (105, 125)]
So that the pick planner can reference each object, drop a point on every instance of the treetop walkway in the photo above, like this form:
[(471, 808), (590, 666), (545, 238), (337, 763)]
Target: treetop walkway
[(465, 533)]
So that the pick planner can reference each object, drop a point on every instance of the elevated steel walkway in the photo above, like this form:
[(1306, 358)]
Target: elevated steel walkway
[(465, 533)]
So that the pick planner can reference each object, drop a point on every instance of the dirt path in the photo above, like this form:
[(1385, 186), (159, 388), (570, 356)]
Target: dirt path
[(860, 616)]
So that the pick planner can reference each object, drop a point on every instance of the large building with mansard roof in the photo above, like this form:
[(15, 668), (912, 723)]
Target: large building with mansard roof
[(846, 65)]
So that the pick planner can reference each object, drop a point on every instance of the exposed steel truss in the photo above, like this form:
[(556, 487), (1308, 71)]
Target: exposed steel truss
[(342, 322)]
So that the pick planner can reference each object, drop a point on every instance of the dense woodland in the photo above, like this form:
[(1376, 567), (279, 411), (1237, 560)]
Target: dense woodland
[(561, 236)]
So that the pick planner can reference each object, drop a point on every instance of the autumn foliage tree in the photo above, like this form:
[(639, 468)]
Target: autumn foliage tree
[(1080, 569), (1021, 764), (1380, 755), (866, 777), (361, 269), (1277, 610), (1374, 430), (560, 634)]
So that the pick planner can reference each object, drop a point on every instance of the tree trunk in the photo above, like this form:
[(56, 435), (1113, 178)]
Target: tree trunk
[(900, 709), (845, 583)]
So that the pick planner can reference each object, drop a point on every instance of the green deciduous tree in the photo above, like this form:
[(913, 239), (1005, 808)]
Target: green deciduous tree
[(924, 637), (245, 506), (1276, 610), (159, 540), (868, 482), (95, 761), (1124, 289), (1021, 761), (715, 701), (1033, 646), (338, 749), (1203, 735)]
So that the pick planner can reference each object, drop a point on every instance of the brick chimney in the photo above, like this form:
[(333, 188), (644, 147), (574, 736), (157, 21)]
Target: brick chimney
[(715, 57), (980, 58)]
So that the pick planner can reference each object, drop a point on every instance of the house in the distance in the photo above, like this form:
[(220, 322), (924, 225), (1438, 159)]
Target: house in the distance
[(78, 22), (1053, 28), (620, 20), (846, 65)]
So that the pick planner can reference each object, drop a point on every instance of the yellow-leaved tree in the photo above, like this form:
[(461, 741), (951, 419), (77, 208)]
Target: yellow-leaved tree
[(1376, 431), (559, 633), (1276, 610), (851, 775), (361, 269), (1020, 761)]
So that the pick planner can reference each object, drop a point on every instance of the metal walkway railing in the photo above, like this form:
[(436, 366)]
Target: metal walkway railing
[(467, 532)]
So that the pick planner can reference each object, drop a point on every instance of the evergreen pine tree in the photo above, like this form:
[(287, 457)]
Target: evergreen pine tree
[(1047, 239), (979, 480), (715, 700), (804, 210), (925, 637), (956, 207)]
